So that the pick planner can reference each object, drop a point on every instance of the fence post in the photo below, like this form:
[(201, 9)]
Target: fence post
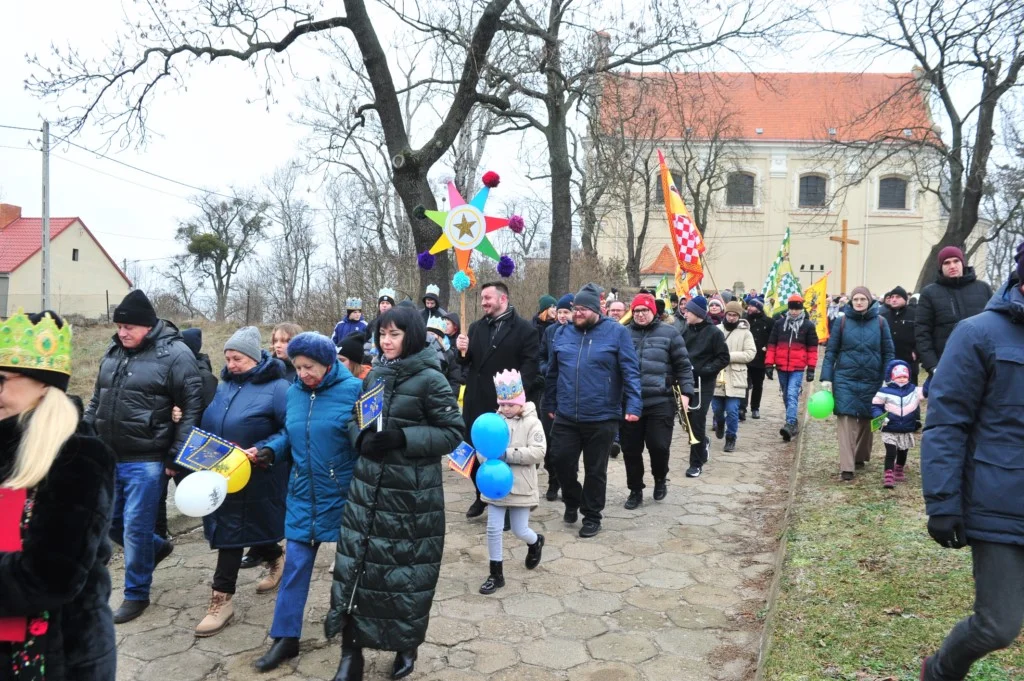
[(108, 305), (248, 295)]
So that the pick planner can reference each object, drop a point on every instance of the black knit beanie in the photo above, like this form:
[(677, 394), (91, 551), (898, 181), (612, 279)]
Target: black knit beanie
[(136, 310)]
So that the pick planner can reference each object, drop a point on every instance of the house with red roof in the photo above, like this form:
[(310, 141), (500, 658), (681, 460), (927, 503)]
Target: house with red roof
[(771, 151), (83, 276)]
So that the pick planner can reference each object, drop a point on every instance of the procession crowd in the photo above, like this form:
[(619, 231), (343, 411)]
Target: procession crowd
[(586, 377)]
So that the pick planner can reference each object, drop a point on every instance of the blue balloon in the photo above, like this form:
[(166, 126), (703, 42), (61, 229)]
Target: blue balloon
[(494, 479), (490, 435)]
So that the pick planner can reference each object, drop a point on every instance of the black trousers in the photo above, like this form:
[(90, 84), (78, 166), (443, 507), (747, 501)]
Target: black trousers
[(593, 440), (549, 457), (161, 509), (654, 429), (894, 456), (229, 562), (755, 388), (699, 422)]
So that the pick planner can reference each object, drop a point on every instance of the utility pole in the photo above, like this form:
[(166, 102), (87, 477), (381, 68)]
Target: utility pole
[(46, 215)]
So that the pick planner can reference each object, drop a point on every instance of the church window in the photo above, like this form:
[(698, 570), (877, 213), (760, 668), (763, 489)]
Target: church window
[(659, 195), (739, 189), (892, 193), (812, 191)]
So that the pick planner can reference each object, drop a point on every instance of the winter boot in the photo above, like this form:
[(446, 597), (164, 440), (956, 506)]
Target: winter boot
[(273, 577), (552, 493), (898, 474), (218, 615), (730, 444), (787, 432), (660, 490), (743, 415), (755, 413), (719, 429), (495, 581), (636, 498), (890, 479), (533, 552), (282, 649), (405, 662), (794, 428), (351, 666)]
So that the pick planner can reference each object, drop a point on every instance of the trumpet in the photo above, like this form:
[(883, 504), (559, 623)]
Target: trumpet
[(682, 415)]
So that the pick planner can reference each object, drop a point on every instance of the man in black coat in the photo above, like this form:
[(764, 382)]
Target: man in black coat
[(761, 328), (501, 340), (957, 294), (901, 317), (663, 364), (709, 354)]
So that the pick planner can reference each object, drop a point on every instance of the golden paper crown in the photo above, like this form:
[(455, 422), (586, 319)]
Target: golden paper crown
[(42, 346)]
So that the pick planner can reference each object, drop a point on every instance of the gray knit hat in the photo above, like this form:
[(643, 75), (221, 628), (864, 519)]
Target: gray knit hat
[(246, 341), (589, 297)]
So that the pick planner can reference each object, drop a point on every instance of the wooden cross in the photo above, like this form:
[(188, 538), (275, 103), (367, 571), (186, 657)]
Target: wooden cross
[(844, 240)]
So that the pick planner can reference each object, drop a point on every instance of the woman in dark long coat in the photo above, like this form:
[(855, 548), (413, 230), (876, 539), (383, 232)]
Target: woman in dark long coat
[(392, 529), (248, 410), (56, 501)]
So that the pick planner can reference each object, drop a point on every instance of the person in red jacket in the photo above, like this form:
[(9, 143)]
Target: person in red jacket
[(793, 349)]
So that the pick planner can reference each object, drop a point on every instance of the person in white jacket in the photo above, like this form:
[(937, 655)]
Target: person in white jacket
[(732, 382), (526, 447)]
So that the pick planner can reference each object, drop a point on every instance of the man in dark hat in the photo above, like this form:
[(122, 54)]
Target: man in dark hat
[(146, 371), (901, 317)]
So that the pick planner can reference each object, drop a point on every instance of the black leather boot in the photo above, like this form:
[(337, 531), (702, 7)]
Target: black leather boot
[(405, 662), (636, 498), (495, 581), (351, 666), (281, 650), (533, 552)]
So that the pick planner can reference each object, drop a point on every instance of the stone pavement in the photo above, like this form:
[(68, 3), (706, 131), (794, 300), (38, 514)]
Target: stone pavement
[(673, 591)]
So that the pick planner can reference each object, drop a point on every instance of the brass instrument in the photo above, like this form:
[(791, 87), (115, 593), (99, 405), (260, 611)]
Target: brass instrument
[(682, 415)]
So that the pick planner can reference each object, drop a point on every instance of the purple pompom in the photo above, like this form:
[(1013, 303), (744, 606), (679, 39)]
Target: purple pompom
[(506, 266), (425, 260), (516, 224)]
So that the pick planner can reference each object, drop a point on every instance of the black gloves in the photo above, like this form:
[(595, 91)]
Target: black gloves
[(947, 531), (769, 372), (810, 374), (265, 457), (376, 445)]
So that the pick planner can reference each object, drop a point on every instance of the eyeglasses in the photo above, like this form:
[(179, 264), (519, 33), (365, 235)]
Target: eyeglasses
[(641, 310), (580, 308)]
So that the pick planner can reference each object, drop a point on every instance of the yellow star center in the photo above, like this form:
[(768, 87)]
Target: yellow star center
[(465, 227)]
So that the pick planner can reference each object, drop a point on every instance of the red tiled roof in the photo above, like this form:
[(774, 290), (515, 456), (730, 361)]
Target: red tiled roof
[(665, 263), (783, 106), (23, 238)]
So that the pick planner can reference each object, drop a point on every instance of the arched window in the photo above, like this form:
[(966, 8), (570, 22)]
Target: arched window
[(812, 191), (892, 193), (739, 189)]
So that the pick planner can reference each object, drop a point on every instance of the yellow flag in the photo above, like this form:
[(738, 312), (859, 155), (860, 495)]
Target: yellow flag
[(816, 304)]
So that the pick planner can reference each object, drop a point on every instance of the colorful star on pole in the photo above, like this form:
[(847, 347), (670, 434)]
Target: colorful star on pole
[(465, 227)]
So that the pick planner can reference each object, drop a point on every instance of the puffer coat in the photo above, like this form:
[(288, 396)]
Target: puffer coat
[(392, 531), (526, 447), (732, 381), (941, 305), (315, 441), (664, 362), (859, 349), (788, 351), (972, 462), (136, 390), (249, 409), (902, 404)]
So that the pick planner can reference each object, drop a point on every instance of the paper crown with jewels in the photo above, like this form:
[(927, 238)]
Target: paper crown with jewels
[(39, 347), (509, 386), (432, 290), (386, 293), (353, 304), (436, 324)]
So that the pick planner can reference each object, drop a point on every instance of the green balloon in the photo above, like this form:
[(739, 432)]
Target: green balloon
[(821, 404)]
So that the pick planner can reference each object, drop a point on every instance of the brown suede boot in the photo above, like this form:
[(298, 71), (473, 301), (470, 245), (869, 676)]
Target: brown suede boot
[(218, 615), (273, 577)]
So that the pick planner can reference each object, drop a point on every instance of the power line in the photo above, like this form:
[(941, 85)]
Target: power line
[(18, 127)]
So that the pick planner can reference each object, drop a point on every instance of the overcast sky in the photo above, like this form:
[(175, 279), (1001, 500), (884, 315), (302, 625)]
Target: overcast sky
[(207, 135)]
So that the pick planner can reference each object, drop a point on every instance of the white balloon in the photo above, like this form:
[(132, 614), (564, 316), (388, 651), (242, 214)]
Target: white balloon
[(201, 493)]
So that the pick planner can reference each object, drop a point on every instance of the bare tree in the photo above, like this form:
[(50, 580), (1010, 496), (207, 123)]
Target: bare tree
[(290, 265), (1003, 203), (166, 40), (184, 285), (977, 42), (221, 237)]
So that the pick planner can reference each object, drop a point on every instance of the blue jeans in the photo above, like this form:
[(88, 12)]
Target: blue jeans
[(731, 405), (294, 589), (136, 496), (789, 385)]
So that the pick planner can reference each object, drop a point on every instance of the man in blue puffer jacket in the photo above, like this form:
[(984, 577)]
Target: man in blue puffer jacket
[(593, 366), (972, 473)]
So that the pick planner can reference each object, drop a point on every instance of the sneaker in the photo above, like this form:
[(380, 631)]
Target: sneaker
[(755, 413), (660, 490), (846, 476), (730, 444), (636, 498), (590, 529), (889, 481), (786, 433), (899, 474), (693, 472), (719, 429), (614, 451), (570, 515), (476, 509)]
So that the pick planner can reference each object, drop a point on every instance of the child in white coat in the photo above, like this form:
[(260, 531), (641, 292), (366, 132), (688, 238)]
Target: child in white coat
[(526, 447)]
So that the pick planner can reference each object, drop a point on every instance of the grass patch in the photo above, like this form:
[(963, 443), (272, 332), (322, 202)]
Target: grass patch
[(865, 593)]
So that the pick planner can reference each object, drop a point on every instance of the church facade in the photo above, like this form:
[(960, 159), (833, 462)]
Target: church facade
[(805, 151)]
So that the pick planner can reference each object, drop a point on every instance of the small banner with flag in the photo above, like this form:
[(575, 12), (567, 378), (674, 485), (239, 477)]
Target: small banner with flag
[(772, 280), (787, 286), (370, 406), (462, 460), (662, 290), (686, 238), (816, 304), (202, 451)]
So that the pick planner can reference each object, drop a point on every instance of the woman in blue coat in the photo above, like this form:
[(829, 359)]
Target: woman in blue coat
[(248, 409), (315, 441), (859, 349)]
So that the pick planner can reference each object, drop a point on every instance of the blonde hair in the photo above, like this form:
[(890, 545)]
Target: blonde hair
[(289, 329), (50, 424)]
